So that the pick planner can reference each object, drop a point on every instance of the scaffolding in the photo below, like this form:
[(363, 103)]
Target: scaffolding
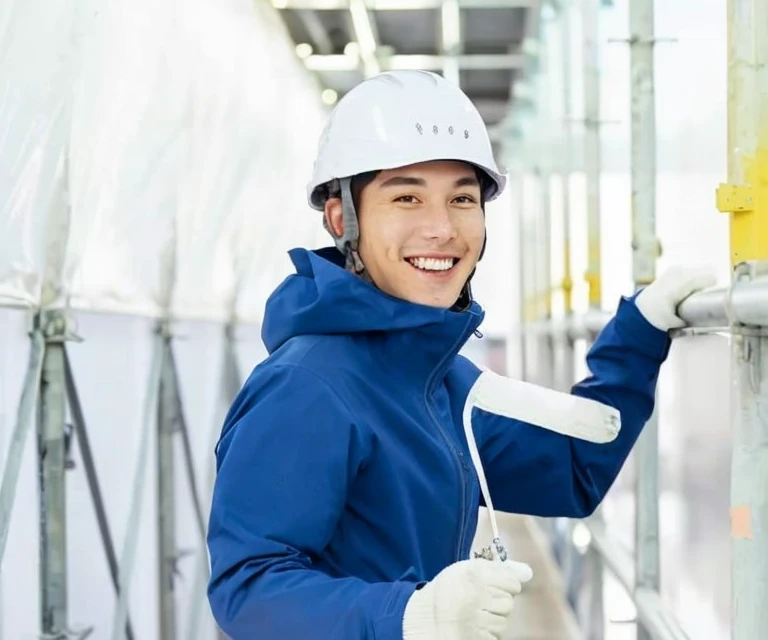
[(75, 223), (739, 310)]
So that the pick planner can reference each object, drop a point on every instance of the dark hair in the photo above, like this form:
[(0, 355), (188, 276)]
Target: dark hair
[(362, 180)]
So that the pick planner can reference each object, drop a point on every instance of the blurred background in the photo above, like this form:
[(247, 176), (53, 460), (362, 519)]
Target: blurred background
[(153, 158)]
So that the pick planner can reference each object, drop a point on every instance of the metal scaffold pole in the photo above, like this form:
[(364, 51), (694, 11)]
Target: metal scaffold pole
[(52, 460), (167, 425), (745, 199), (644, 253), (25, 418), (522, 268), (571, 560), (592, 154), (567, 365), (172, 425), (592, 167), (543, 155)]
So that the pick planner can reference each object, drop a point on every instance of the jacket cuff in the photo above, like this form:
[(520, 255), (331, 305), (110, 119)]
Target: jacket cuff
[(636, 331), (390, 625)]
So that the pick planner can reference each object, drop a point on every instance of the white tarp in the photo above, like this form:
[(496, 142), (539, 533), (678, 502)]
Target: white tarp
[(152, 157), (188, 131)]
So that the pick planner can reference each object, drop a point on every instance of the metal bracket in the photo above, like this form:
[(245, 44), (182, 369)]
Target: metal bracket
[(733, 198), (69, 634), (69, 461), (744, 271), (166, 329), (56, 326), (634, 40), (745, 204)]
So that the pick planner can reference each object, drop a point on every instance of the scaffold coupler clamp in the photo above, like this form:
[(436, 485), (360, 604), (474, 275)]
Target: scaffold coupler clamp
[(56, 326), (744, 272)]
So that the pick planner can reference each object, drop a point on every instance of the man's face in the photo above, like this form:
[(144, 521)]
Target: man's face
[(421, 230)]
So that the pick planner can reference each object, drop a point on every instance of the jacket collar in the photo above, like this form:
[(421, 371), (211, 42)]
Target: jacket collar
[(322, 298)]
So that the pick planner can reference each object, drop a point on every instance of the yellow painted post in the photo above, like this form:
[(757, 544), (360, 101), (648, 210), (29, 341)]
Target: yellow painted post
[(745, 199)]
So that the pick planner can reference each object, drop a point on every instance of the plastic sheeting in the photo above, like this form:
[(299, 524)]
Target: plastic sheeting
[(152, 156)]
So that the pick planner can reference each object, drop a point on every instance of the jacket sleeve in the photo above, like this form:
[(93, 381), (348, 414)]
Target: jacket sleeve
[(288, 452), (538, 472)]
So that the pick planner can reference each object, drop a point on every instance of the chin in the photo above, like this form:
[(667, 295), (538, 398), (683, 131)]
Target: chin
[(438, 302)]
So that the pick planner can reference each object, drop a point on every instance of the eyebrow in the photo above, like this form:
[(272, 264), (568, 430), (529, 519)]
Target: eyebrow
[(407, 181)]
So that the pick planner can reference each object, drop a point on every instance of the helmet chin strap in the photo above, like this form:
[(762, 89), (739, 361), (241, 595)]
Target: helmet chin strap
[(348, 244)]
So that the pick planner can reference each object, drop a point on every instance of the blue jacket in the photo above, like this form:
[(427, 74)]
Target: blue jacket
[(344, 477)]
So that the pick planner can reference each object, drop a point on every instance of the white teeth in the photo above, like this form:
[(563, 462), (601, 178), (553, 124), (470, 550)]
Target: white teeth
[(432, 264)]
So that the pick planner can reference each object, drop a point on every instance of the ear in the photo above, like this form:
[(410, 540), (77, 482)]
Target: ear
[(334, 217)]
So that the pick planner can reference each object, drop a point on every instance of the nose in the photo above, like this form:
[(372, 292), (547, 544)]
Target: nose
[(438, 224)]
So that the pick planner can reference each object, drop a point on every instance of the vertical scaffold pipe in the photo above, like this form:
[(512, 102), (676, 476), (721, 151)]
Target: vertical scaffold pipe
[(644, 254), (543, 245), (522, 268), (745, 198), (592, 166), (52, 457), (592, 154), (567, 365), (167, 425), (572, 562)]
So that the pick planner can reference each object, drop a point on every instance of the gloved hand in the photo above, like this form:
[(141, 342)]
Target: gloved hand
[(468, 600), (659, 301)]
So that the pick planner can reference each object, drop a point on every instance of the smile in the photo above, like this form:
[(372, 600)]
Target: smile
[(433, 264)]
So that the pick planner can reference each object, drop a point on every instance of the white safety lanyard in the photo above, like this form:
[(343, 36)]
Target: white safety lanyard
[(501, 552)]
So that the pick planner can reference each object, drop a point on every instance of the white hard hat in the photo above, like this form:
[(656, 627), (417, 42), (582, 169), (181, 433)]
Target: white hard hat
[(399, 118)]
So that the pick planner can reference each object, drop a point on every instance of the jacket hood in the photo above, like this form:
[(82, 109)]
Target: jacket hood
[(323, 298)]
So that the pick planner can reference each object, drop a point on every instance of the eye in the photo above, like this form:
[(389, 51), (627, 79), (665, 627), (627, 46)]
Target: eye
[(465, 199), (406, 199)]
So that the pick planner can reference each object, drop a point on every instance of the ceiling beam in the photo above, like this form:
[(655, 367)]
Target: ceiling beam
[(478, 62), (402, 5), (450, 27), (365, 35), (316, 31)]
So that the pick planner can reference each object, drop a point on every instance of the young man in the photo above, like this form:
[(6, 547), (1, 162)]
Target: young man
[(345, 501)]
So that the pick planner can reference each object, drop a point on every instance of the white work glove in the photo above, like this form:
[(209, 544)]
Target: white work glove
[(659, 301), (468, 600)]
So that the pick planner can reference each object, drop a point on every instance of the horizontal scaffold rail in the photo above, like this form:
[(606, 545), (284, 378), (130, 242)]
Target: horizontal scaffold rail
[(745, 303)]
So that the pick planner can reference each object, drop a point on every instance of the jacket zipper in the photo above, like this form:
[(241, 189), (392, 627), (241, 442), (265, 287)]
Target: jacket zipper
[(459, 457)]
